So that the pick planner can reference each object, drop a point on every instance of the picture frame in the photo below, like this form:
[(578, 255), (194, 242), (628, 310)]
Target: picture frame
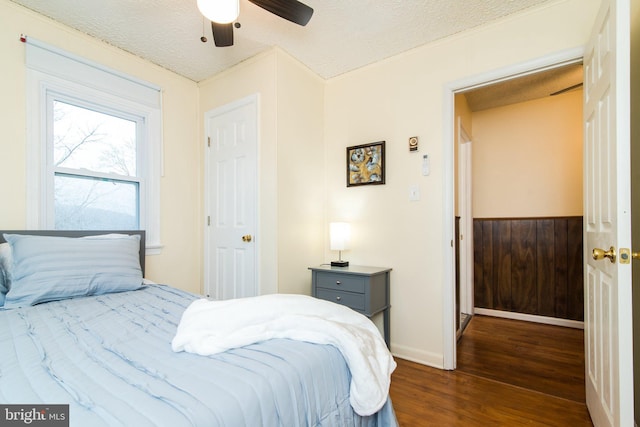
[(365, 164)]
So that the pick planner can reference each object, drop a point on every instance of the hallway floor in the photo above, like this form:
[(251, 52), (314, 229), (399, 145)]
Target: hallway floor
[(544, 358), (510, 373)]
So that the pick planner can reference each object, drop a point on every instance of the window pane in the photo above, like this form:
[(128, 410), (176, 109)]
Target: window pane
[(95, 204), (87, 139)]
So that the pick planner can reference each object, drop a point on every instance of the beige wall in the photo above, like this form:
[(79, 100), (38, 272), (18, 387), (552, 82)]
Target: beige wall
[(179, 263), (301, 172), (291, 169), (402, 97), (527, 158)]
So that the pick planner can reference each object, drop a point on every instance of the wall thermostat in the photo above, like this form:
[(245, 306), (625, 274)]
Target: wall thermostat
[(426, 165), (413, 143)]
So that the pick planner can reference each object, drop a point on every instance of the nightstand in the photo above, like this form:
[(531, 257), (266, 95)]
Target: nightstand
[(364, 289)]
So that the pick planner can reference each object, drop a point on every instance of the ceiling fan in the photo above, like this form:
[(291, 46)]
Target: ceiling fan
[(222, 14)]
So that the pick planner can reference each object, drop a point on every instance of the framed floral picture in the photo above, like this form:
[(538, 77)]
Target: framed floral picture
[(365, 164)]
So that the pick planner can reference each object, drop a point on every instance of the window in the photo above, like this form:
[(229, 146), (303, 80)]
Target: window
[(96, 185), (94, 146)]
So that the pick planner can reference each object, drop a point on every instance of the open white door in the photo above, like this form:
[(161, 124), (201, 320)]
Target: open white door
[(608, 320), (465, 211), (230, 193)]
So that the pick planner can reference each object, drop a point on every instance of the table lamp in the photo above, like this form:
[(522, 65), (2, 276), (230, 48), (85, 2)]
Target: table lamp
[(339, 235)]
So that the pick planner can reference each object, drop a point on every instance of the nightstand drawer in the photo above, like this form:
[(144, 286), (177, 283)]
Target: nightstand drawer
[(354, 301), (341, 282), (363, 289)]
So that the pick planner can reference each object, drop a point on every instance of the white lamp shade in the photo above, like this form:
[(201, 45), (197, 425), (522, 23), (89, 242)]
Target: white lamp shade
[(220, 11), (339, 235)]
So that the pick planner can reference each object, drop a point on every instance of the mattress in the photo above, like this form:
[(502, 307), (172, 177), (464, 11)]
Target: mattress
[(109, 357)]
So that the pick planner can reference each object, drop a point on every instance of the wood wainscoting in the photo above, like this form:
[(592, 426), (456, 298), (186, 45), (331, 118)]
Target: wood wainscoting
[(529, 265)]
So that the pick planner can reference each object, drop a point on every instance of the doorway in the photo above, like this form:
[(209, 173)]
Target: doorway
[(508, 76), (565, 90), (527, 197)]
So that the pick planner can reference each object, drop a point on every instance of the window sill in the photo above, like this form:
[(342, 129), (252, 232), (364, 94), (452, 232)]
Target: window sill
[(153, 249)]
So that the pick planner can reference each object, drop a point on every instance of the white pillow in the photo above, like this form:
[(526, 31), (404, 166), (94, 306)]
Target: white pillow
[(3, 287), (5, 270), (5, 256)]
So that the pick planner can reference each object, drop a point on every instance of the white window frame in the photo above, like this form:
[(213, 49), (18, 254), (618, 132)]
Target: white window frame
[(41, 86), (96, 104)]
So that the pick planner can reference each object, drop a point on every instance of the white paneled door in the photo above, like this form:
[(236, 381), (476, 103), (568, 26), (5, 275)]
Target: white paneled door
[(465, 211), (230, 205), (607, 213)]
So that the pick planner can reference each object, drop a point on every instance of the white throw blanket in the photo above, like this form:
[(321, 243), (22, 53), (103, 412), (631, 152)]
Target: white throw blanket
[(210, 327)]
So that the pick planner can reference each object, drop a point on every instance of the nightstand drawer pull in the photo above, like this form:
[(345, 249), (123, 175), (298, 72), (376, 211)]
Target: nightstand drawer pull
[(338, 282), (355, 301)]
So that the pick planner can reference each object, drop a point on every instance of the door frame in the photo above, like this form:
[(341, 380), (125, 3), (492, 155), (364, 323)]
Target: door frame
[(208, 116), (547, 62)]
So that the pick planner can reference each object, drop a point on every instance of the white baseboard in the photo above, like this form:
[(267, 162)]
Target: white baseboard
[(424, 358), (530, 318)]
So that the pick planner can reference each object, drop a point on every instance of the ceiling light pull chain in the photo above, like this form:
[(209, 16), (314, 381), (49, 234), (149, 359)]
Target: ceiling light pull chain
[(203, 39)]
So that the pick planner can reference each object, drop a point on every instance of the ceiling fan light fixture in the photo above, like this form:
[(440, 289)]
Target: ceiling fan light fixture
[(220, 11)]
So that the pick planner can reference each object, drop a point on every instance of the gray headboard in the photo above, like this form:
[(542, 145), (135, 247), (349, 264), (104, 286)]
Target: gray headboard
[(81, 233)]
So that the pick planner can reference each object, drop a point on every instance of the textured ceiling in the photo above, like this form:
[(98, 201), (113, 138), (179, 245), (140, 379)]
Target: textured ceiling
[(341, 36), (526, 88)]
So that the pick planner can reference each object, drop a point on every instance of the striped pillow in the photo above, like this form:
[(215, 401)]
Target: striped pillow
[(47, 268)]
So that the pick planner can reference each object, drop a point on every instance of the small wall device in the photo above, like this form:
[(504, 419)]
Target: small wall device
[(426, 166), (413, 143)]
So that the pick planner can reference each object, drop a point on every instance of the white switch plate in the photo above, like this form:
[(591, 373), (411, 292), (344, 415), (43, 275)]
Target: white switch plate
[(414, 193)]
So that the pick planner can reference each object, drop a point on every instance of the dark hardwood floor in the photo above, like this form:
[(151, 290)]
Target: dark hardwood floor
[(510, 373)]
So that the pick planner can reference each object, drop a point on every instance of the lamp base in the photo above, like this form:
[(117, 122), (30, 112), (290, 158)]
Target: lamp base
[(339, 263)]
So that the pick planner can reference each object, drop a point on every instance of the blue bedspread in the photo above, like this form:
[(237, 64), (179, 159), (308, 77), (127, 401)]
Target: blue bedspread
[(110, 358)]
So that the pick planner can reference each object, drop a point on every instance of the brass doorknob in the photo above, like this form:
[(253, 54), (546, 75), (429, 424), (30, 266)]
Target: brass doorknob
[(246, 238), (598, 254)]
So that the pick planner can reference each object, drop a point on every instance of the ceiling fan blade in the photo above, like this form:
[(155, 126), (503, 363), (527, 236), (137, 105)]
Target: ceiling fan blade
[(222, 34), (566, 89), (291, 10)]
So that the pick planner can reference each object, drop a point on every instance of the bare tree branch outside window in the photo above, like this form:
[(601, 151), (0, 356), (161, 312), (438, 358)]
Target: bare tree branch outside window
[(94, 154)]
